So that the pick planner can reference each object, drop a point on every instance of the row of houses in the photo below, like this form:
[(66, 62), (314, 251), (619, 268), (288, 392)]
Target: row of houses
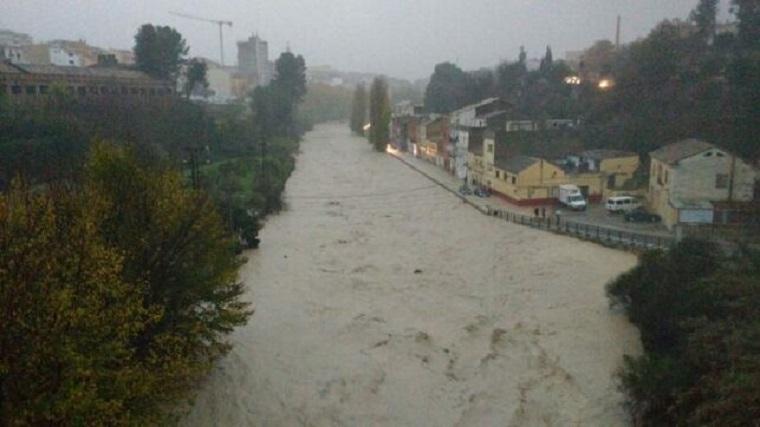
[(525, 161)]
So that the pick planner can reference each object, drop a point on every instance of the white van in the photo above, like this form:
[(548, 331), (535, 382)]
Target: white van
[(621, 204)]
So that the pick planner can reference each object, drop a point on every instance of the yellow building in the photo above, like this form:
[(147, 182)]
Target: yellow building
[(525, 180), (689, 178), (531, 180)]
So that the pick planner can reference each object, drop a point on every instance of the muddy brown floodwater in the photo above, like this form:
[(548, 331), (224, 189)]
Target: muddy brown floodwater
[(383, 300)]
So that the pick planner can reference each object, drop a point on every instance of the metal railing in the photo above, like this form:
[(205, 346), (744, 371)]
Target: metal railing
[(596, 233)]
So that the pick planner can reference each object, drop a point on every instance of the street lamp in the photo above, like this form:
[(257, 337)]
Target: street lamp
[(605, 84)]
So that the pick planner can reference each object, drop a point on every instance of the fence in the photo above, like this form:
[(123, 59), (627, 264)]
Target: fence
[(596, 233)]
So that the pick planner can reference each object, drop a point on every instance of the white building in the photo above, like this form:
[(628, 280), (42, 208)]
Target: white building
[(460, 123), (12, 46), (61, 56)]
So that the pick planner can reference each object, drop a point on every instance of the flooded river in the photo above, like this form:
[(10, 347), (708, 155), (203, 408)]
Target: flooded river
[(383, 300)]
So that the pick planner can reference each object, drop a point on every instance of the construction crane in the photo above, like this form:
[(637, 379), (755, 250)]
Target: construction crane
[(213, 21)]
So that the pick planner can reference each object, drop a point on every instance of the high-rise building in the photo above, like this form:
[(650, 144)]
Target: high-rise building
[(253, 59)]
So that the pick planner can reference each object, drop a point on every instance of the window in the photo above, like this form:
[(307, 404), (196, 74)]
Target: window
[(30, 90), (497, 174), (490, 148), (514, 180), (721, 180), (16, 89)]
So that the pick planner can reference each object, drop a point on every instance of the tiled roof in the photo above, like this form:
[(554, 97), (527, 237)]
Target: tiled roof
[(516, 164), (680, 150)]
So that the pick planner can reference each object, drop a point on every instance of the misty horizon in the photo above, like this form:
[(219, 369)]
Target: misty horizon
[(393, 38)]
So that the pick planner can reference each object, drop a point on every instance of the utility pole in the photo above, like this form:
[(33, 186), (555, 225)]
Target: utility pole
[(213, 21)]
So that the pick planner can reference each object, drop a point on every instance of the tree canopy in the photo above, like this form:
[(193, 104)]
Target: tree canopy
[(196, 78), (159, 51), (697, 312), (447, 90), (120, 289), (379, 114)]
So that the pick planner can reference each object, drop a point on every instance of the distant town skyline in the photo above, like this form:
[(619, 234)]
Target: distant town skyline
[(394, 37)]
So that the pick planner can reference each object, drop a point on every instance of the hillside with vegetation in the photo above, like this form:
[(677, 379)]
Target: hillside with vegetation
[(686, 79)]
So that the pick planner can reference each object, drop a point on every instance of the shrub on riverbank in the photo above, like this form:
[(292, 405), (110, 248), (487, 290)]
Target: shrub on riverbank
[(697, 312)]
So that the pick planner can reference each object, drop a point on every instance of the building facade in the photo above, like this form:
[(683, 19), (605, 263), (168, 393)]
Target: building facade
[(13, 45), (253, 59), (690, 177), (30, 84)]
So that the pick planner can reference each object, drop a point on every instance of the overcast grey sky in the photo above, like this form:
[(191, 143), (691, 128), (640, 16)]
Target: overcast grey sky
[(399, 38)]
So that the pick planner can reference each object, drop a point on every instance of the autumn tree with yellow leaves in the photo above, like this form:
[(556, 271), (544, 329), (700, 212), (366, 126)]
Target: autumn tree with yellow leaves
[(116, 293)]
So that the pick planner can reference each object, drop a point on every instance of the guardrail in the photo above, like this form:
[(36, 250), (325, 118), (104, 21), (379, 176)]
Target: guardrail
[(596, 233)]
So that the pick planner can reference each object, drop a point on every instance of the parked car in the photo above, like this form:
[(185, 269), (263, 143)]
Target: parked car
[(621, 204), (482, 192), (641, 215), (465, 190)]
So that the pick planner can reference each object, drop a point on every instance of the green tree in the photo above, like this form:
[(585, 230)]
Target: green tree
[(748, 14), (358, 110), (174, 244), (379, 114), (272, 112), (290, 76), (67, 316), (447, 90), (547, 61), (195, 77), (159, 51), (704, 17), (510, 80), (697, 313), (482, 85)]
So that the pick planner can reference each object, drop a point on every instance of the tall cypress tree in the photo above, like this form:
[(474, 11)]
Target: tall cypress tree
[(379, 114)]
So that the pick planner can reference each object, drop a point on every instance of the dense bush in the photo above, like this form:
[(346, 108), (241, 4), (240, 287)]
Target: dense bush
[(698, 316)]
